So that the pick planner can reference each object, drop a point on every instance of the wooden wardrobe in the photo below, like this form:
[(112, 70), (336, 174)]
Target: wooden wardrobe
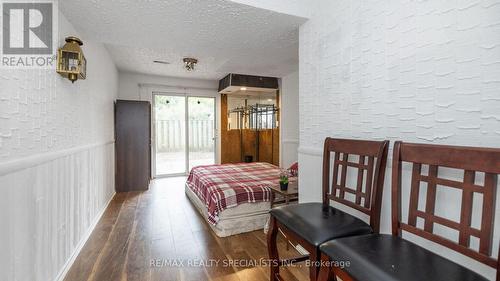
[(132, 145)]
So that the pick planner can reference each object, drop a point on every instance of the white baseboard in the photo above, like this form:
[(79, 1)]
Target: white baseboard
[(62, 273)]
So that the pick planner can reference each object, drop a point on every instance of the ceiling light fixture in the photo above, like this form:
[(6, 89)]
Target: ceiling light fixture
[(189, 63), (161, 62)]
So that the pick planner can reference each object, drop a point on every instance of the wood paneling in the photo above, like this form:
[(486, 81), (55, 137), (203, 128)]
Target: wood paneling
[(133, 145), (162, 224), (269, 146), (230, 139), (249, 144)]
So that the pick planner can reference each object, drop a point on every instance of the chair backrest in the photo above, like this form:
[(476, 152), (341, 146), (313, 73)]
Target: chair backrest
[(370, 167), (469, 159)]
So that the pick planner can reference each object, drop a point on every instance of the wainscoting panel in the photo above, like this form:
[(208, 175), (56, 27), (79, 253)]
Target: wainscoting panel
[(48, 208)]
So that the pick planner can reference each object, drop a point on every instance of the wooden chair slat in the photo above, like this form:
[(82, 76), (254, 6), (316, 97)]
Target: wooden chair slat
[(414, 194), (361, 172), (450, 244), (369, 181), (343, 175), (466, 208), (430, 202), (448, 223), (454, 184), (360, 166), (487, 220), (335, 173), (351, 204), (396, 192), (351, 191)]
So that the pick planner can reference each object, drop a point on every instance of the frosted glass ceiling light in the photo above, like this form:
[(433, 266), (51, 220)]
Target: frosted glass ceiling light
[(190, 63)]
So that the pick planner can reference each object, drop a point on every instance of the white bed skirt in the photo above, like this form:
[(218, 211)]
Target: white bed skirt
[(245, 217)]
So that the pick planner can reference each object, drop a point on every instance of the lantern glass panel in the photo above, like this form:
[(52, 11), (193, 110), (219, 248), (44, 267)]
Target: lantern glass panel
[(83, 70), (72, 61), (69, 61)]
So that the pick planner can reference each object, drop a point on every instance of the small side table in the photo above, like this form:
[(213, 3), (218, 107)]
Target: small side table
[(279, 196)]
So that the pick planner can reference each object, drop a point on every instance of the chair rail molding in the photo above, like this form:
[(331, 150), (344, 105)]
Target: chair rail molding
[(310, 150), (38, 159)]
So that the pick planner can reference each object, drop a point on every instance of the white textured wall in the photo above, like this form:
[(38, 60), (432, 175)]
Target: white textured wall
[(289, 115), (56, 162), (420, 71)]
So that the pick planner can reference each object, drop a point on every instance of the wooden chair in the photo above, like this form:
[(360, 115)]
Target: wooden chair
[(391, 257), (312, 224)]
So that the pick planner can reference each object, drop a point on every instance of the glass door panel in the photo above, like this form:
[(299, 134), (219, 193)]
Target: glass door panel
[(201, 131), (170, 135)]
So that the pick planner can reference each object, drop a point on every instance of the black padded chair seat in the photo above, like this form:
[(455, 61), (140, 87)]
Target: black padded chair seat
[(390, 258), (316, 225)]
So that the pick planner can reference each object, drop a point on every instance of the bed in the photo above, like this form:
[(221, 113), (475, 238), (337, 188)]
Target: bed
[(233, 198)]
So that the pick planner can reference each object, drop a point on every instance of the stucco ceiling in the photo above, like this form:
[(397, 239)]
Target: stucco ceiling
[(224, 36)]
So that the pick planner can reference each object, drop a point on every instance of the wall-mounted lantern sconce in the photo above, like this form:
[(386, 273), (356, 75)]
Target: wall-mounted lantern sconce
[(71, 62)]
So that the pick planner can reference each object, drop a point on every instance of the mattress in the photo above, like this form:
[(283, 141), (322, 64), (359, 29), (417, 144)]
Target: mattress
[(226, 186), (243, 218)]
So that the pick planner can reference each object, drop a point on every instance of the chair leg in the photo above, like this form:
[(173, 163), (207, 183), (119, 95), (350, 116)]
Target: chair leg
[(314, 258), (325, 271), (272, 249)]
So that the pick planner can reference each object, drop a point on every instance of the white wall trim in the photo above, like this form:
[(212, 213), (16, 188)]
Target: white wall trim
[(64, 270), (310, 150), (38, 159)]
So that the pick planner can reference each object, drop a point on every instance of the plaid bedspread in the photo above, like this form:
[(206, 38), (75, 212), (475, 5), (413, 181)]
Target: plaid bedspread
[(225, 186)]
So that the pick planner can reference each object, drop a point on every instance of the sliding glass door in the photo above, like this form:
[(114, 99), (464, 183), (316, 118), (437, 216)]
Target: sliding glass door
[(170, 135), (184, 133), (201, 131)]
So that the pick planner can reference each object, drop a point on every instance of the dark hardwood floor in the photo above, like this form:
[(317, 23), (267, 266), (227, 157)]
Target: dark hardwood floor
[(161, 226)]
